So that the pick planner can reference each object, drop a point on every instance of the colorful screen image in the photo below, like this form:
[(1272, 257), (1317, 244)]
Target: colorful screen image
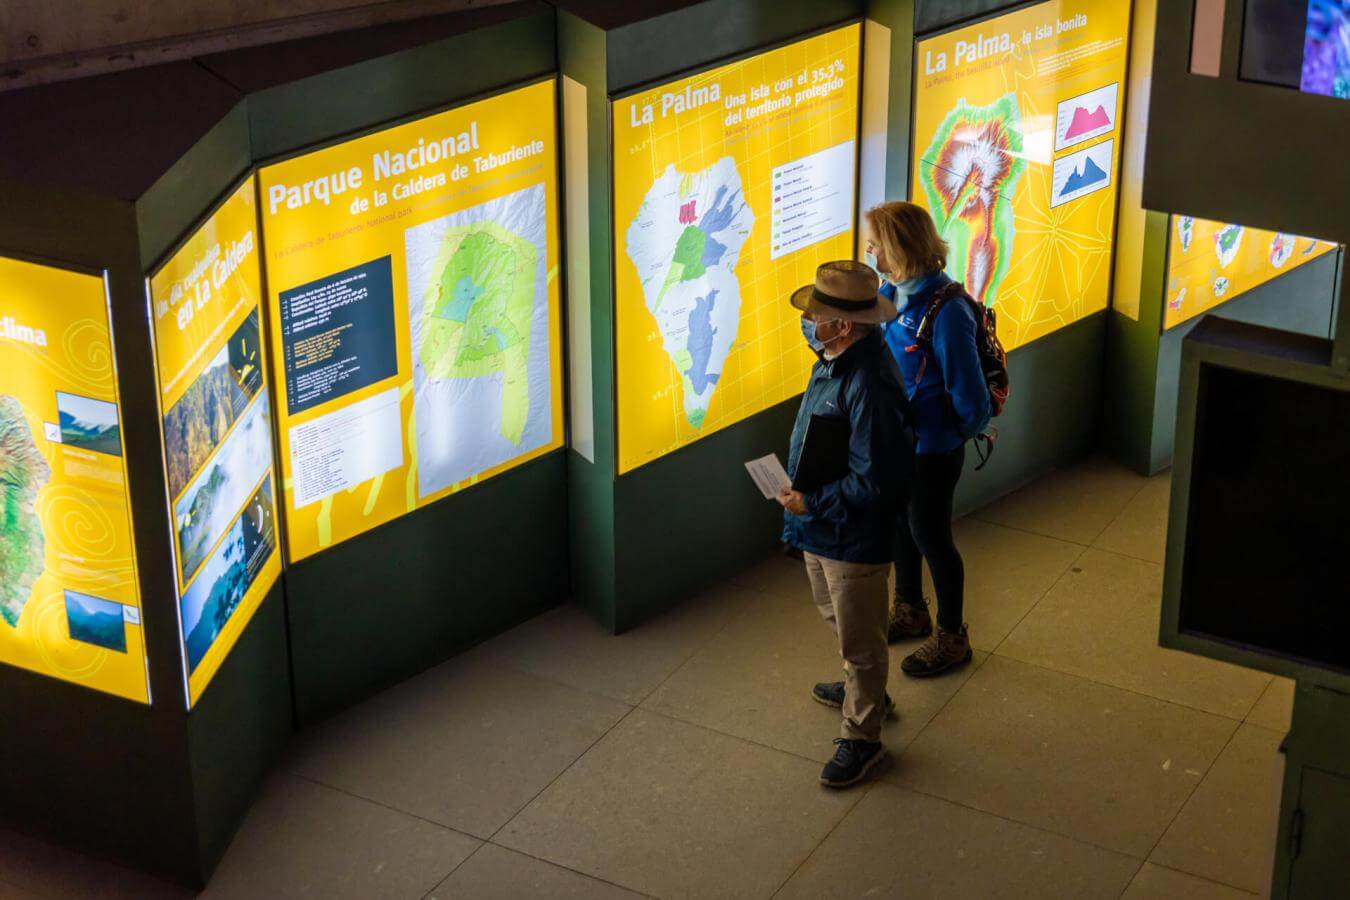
[(1017, 149), (206, 509), (1210, 263), (730, 187), (217, 426), (93, 620), (1326, 49), (69, 593), (215, 400), (89, 424), (415, 312), (226, 579)]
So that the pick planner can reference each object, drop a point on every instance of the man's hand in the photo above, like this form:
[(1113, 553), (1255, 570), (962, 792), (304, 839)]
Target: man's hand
[(793, 501)]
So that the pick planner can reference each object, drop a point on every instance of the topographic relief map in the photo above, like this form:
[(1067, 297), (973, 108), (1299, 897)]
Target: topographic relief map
[(969, 173), (685, 241), (23, 472), (478, 304)]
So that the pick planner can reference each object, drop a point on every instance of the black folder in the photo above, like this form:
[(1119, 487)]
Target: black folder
[(824, 457)]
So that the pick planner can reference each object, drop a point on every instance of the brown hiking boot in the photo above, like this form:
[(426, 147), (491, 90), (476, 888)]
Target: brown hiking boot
[(909, 621), (943, 651)]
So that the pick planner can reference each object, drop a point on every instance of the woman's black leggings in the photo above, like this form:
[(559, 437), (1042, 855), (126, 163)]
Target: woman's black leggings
[(924, 532)]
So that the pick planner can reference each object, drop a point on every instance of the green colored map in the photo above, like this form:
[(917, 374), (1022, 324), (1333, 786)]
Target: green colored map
[(23, 472), (478, 313), (969, 175)]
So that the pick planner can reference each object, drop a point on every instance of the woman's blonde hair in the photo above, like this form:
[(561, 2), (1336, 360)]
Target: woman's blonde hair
[(908, 238)]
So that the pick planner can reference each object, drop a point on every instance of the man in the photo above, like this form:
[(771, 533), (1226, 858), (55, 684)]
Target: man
[(846, 528)]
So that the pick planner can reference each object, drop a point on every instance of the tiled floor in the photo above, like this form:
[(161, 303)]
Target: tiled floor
[(1075, 758)]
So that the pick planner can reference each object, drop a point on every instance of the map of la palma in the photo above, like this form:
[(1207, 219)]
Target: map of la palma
[(23, 472), (479, 311), (685, 241)]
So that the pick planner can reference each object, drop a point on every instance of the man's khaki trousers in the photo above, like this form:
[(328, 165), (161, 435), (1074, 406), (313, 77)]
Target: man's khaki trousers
[(852, 598)]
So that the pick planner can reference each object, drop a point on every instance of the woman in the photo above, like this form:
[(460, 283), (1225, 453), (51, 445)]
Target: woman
[(950, 400)]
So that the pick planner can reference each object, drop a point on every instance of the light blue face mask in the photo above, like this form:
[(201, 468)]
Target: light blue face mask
[(809, 332)]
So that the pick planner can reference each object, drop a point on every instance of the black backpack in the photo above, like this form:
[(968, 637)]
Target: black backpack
[(993, 358)]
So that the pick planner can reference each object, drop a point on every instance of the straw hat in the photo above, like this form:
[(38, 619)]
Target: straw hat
[(847, 290)]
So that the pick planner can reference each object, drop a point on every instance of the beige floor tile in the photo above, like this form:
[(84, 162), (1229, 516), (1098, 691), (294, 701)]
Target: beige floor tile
[(30, 867), (567, 646), (1156, 883), (466, 745), (897, 843), (1007, 572), (1101, 622), (670, 809), (307, 840), (1141, 528), (1226, 831), (754, 680), (1075, 504), (495, 873), (777, 574), (1062, 753), (1275, 709)]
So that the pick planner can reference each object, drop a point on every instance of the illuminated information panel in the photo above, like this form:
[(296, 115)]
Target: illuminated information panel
[(207, 319), (730, 187), (1017, 142), (414, 312), (1210, 263), (69, 598)]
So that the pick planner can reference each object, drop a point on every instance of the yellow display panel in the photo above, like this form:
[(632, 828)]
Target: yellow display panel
[(1017, 151), (730, 188), (69, 597), (1210, 263), (206, 304), (414, 312)]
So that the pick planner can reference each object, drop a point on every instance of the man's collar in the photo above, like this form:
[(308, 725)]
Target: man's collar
[(844, 361)]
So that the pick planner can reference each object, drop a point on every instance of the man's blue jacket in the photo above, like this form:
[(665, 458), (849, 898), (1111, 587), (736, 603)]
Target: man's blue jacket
[(853, 519)]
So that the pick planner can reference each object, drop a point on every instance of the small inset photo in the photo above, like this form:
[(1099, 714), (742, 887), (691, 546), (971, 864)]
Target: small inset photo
[(89, 424), (96, 621)]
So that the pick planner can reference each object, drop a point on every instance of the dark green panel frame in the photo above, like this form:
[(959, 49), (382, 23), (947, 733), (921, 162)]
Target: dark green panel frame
[(104, 180), (409, 594), (651, 538)]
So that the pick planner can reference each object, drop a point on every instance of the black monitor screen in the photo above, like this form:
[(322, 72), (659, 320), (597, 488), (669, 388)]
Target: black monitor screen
[(1268, 530)]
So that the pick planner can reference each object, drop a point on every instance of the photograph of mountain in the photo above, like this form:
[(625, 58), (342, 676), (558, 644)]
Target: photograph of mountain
[(96, 621), (89, 424), (212, 502), (212, 599), (199, 421)]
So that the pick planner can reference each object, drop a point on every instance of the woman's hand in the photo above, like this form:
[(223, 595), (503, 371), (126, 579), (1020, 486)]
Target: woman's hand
[(793, 501)]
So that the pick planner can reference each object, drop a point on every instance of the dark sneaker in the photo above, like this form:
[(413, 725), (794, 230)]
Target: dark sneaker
[(942, 651), (831, 693), (852, 761), (909, 621)]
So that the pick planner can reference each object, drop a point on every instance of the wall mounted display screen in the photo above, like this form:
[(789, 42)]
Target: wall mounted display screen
[(414, 312), (1210, 263), (206, 304), (1326, 49), (1017, 145), (69, 595), (730, 187)]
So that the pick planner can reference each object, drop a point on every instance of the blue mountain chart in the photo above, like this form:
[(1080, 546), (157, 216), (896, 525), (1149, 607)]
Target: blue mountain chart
[(1090, 175)]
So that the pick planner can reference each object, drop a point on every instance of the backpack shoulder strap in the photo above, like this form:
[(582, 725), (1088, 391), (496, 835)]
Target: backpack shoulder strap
[(927, 322)]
